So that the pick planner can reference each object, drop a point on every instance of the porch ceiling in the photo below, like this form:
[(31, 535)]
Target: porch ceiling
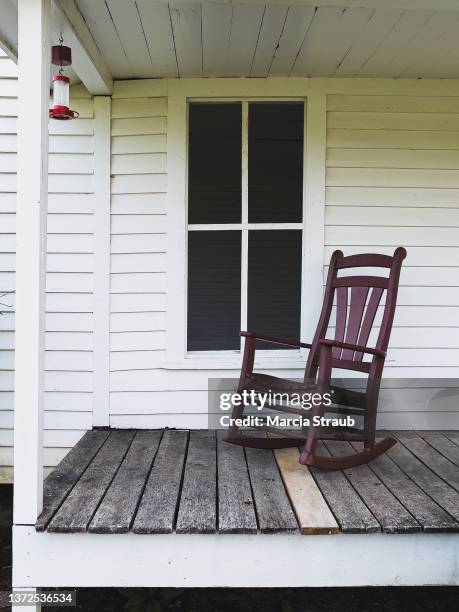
[(146, 38), (248, 38)]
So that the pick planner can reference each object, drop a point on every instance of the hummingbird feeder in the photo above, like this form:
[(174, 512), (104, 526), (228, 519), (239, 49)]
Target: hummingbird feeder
[(61, 56)]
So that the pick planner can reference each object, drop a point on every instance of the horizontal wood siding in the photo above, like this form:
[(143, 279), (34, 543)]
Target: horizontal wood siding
[(138, 243), (392, 179), (8, 147), (68, 360)]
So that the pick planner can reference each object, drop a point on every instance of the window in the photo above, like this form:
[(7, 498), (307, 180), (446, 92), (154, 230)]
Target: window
[(245, 216)]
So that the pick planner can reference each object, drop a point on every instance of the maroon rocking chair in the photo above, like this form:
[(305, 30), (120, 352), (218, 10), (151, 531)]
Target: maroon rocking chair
[(357, 301)]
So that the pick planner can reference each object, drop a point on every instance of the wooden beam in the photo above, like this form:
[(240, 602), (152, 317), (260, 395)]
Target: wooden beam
[(32, 204), (9, 29), (87, 60)]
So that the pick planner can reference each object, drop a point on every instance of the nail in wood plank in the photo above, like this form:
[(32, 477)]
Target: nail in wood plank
[(158, 506), (78, 509), (446, 447), (272, 505), (352, 514), (432, 458), (61, 480), (236, 512), (311, 509), (443, 494), (198, 503), (116, 512), (390, 513), (429, 514)]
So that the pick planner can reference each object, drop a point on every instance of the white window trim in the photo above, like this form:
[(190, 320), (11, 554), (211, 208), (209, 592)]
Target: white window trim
[(313, 235)]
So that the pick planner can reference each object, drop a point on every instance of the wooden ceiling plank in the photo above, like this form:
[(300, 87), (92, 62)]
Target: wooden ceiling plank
[(156, 23), (395, 42), (329, 37), (372, 34), (423, 44), (434, 49), (127, 23), (187, 26), (216, 32), (247, 21), (296, 25), (270, 33), (104, 32)]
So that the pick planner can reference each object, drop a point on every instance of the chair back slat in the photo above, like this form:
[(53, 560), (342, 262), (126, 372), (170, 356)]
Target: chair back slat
[(368, 319), (365, 260), (341, 317), (361, 281), (358, 300)]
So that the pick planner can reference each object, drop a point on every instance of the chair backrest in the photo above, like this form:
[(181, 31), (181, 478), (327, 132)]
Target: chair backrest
[(357, 299)]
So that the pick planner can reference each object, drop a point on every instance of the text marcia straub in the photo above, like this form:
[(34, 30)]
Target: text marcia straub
[(281, 421)]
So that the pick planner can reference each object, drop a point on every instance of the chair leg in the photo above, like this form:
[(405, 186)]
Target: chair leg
[(324, 386), (311, 438)]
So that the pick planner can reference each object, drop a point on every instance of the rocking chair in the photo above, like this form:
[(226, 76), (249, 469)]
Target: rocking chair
[(355, 318)]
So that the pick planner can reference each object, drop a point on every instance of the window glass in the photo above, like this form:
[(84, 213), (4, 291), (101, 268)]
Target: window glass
[(274, 284), (214, 290), (276, 162), (214, 169)]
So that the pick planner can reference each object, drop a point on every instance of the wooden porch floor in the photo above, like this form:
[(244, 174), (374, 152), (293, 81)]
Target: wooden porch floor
[(162, 481)]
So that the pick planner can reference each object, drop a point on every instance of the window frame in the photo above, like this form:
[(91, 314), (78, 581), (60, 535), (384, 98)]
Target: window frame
[(312, 227)]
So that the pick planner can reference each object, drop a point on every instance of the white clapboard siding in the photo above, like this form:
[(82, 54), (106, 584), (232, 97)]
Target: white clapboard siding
[(8, 113), (393, 179), (69, 324), (138, 236)]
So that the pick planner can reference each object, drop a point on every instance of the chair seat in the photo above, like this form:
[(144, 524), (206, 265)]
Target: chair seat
[(265, 382)]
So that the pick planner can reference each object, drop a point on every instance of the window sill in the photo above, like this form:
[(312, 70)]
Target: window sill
[(206, 363)]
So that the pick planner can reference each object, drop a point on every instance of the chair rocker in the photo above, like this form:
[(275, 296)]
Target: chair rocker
[(357, 301)]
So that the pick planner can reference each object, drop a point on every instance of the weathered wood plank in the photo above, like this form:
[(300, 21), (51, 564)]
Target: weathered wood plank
[(272, 505), (429, 514), (116, 512), (78, 509), (443, 445), (432, 458), (61, 480), (311, 509), (352, 514), (392, 516), (428, 481), (451, 435), (198, 503), (158, 506), (236, 512)]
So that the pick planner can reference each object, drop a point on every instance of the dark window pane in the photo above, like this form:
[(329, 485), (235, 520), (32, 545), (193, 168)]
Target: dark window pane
[(214, 169), (274, 284), (214, 290), (276, 162)]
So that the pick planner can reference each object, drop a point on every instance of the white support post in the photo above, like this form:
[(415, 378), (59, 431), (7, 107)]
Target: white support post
[(176, 226), (315, 140), (32, 201), (101, 395)]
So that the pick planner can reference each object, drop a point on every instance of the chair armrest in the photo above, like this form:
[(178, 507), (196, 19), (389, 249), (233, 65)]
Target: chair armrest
[(353, 347), (275, 340)]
